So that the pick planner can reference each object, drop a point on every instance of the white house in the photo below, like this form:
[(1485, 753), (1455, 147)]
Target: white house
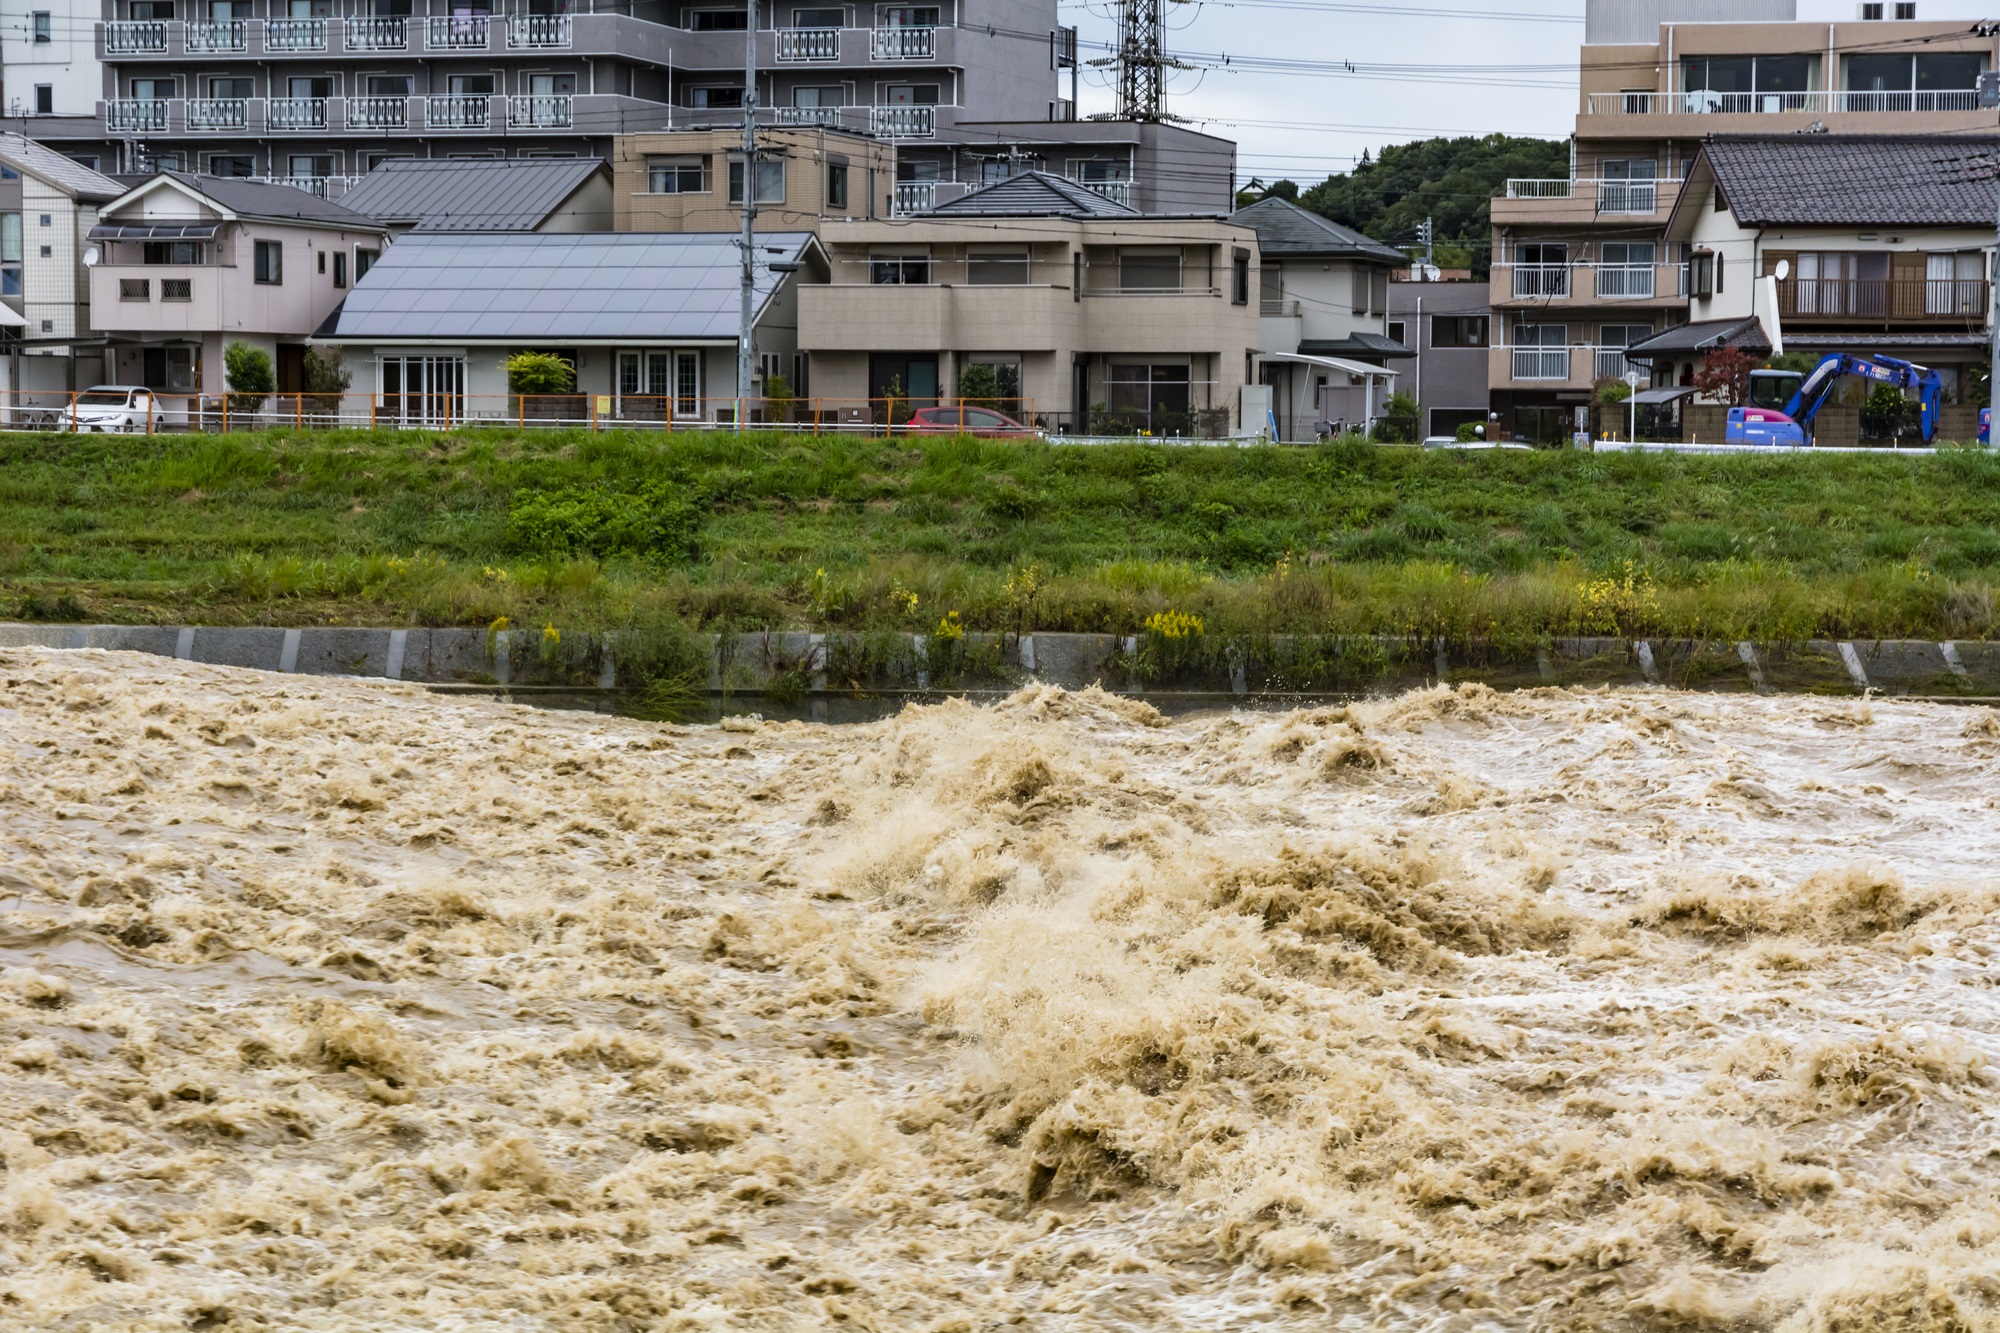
[(48, 204)]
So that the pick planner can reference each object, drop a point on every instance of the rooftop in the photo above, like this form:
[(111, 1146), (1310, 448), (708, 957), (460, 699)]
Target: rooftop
[(261, 201), (66, 174), (1284, 228), (1035, 194), (472, 194), (1852, 180)]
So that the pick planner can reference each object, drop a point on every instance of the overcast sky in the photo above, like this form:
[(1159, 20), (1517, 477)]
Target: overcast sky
[(1457, 67)]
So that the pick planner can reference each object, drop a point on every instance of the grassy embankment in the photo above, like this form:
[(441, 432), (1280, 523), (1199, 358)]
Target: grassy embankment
[(713, 531)]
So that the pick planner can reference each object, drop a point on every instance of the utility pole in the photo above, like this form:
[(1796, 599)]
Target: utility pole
[(748, 244), (1430, 244), (1989, 97)]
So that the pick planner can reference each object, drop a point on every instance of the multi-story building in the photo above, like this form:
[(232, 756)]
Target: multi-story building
[(1582, 267), (1447, 320), (692, 180), (48, 204)]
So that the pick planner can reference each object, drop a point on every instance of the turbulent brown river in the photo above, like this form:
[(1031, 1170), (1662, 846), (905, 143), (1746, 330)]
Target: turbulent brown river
[(337, 1005)]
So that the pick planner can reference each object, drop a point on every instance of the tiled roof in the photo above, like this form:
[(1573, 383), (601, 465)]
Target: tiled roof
[(64, 173), (1848, 180), (1035, 194), (1283, 228), (1699, 336), (470, 194)]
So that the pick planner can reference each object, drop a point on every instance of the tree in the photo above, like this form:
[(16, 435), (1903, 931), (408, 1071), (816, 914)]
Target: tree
[(1399, 418), (1725, 374), (778, 393), (251, 379), (1882, 415), (530, 373), (326, 379)]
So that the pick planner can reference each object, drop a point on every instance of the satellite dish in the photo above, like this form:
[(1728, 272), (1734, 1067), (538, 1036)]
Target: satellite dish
[(1783, 270), (90, 257)]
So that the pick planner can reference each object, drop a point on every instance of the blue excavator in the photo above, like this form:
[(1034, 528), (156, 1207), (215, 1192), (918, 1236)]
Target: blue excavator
[(1783, 403)]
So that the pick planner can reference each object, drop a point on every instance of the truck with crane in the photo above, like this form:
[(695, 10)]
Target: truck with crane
[(1784, 403)]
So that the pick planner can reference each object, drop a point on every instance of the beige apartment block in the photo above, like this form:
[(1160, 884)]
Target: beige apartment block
[(1089, 314), (1583, 267), (691, 180)]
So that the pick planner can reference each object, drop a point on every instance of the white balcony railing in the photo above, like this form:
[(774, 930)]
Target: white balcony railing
[(1541, 280), (378, 112), (326, 187), (457, 112), (1824, 102), (549, 112), (1118, 192), (810, 115), (899, 43), (135, 38), (216, 35), (377, 34), (136, 114), (538, 32), (1610, 364), (1625, 280), (915, 196), (458, 32), (795, 44), (217, 113), (903, 122), (1612, 196), (295, 35), (295, 113), (1541, 363)]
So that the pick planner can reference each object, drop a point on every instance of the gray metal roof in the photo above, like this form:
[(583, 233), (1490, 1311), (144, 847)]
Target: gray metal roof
[(270, 203), (1035, 194), (1699, 336), (1360, 343), (492, 194), (66, 174), (1284, 228), (558, 287), (1844, 180)]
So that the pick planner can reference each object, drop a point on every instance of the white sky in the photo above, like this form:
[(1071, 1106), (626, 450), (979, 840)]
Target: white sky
[(1469, 67)]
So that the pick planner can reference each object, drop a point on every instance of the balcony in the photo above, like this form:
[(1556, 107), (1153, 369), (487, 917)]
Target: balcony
[(549, 112), (377, 113), (457, 32), (1540, 363), (377, 34), (810, 115), (218, 113), (326, 187), (1586, 283), (1625, 281), (457, 112), (136, 116), (295, 35), (1885, 300), (1703, 102), (221, 35), (915, 196), (295, 113), (538, 32), (899, 43), (1117, 191), (1610, 196), (1540, 280), (1610, 364), (808, 44), (135, 38), (902, 122)]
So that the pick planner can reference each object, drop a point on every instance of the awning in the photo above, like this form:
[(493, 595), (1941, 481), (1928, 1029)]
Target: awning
[(12, 319), (1669, 394), (1355, 344), (1330, 362), (155, 231)]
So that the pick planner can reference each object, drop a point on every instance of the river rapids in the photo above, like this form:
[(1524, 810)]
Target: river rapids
[(337, 1005)]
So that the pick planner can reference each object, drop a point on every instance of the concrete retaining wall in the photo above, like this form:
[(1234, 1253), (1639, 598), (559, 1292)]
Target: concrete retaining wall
[(801, 663)]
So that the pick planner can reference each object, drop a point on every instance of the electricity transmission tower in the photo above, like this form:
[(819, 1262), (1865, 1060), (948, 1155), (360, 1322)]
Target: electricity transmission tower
[(1141, 63)]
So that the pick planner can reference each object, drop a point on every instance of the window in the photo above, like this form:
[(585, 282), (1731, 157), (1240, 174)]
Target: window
[(172, 252), (48, 252), (1397, 328), (10, 254), (675, 175), (715, 97), (135, 289), (152, 11), (322, 261), (720, 20), (815, 96), (899, 269), (908, 16), (45, 99), (428, 389), (909, 94), (389, 85), (48, 220), (1701, 274), (819, 18), (340, 270), (1906, 11), (770, 181), (1378, 292), (237, 165), (363, 261), (270, 262), (1239, 277), (996, 268), (42, 26), (152, 90), (1150, 397), (836, 185), (1953, 283), (48, 326), (1871, 13), (176, 289), (1149, 270), (1748, 83), (1931, 81), (232, 88), (1458, 330)]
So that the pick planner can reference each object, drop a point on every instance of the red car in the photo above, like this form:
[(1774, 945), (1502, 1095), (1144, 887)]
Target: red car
[(966, 421)]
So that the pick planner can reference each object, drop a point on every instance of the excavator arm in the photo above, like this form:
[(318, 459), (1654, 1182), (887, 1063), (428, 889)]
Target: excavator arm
[(1819, 384)]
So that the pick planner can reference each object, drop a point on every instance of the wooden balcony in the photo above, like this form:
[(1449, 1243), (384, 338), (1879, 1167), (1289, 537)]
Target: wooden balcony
[(1883, 301)]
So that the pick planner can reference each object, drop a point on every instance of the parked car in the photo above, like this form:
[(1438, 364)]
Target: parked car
[(109, 407), (966, 421)]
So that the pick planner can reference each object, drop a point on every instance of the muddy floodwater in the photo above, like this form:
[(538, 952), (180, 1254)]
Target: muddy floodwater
[(337, 1005)]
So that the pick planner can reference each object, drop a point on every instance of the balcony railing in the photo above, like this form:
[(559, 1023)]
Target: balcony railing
[(899, 43), (135, 38), (1279, 309), (295, 113), (1541, 363), (1706, 102), (295, 35), (457, 112), (457, 32), (377, 34), (796, 44), (1610, 364), (1626, 280), (379, 112), (326, 187), (1118, 192), (1612, 196), (1541, 280), (915, 196), (548, 112), (538, 32), (810, 115), (216, 35), (217, 113), (1884, 299), (903, 122), (128, 115)]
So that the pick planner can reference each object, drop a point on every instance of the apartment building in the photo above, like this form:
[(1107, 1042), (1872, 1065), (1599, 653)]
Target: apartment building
[(48, 205), (323, 90), (692, 180), (1583, 267)]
